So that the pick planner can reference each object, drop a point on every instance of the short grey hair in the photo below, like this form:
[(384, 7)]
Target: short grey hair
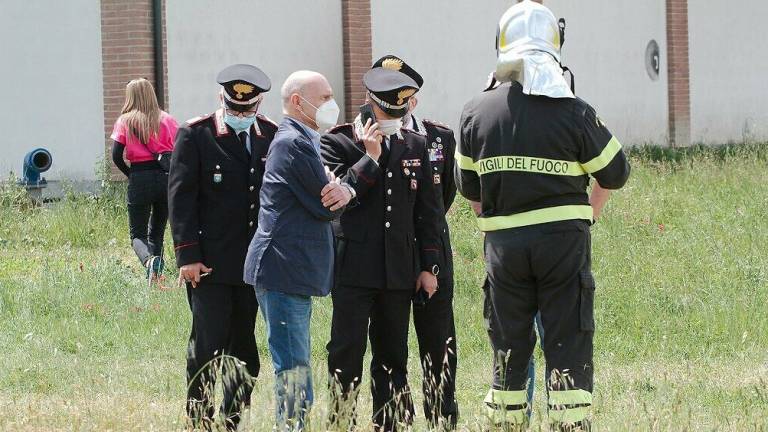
[(295, 84)]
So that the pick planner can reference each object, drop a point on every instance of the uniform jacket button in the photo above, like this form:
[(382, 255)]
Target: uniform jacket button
[(389, 174), (253, 206), (389, 208), (250, 224), (251, 188), (253, 170), (387, 224), (389, 191)]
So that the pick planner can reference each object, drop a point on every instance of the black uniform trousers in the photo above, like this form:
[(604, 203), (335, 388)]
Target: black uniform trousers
[(223, 321), (436, 334), (384, 316), (542, 267)]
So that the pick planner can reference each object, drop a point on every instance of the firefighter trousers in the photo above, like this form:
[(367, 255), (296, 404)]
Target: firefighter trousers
[(545, 268)]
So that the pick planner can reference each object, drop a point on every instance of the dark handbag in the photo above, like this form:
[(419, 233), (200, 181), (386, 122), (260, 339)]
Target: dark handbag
[(164, 160)]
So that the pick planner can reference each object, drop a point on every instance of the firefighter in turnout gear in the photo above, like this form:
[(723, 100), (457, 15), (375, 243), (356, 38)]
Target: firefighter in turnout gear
[(528, 148)]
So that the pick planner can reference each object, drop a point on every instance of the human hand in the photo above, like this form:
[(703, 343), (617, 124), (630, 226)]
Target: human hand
[(428, 282), (192, 273), (372, 137), (598, 199), (335, 195)]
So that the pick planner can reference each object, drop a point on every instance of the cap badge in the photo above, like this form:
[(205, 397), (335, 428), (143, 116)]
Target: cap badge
[(401, 95), (241, 89), (392, 64)]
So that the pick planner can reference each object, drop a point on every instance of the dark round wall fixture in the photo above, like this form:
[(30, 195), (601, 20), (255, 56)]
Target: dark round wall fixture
[(652, 60)]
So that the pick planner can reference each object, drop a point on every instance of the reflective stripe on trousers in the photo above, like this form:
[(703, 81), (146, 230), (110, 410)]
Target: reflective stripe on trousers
[(569, 406), (506, 406)]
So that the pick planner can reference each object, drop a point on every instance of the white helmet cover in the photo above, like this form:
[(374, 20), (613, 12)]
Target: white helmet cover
[(528, 47)]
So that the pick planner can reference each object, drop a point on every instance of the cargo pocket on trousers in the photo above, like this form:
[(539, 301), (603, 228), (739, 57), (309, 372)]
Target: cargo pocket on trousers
[(587, 301)]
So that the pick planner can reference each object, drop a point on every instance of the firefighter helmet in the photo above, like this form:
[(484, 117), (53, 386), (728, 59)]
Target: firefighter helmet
[(528, 45)]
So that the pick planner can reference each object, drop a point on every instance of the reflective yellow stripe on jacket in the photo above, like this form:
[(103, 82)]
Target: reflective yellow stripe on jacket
[(539, 165), (533, 217)]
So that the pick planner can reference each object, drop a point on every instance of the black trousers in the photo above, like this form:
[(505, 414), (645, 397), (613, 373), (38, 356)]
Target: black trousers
[(542, 267), (147, 212), (436, 334), (222, 338), (383, 316)]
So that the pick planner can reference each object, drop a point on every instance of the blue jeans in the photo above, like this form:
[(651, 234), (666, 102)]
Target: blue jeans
[(532, 364), (287, 317)]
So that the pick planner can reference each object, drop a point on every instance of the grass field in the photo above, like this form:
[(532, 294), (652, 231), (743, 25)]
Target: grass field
[(680, 258)]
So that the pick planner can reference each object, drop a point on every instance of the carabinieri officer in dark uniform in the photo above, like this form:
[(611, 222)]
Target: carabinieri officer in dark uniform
[(215, 177), (433, 318), (388, 246), (528, 149)]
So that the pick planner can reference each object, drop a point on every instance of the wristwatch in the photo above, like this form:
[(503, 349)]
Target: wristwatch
[(435, 270)]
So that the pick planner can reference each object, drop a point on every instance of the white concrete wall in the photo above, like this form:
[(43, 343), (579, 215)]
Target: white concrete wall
[(451, 43), (605, 46), (728, 67), (278, 36), (51, 85)]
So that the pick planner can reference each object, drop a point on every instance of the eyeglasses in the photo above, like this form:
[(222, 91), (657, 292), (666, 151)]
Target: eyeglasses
[(246, 114), (243, 114)]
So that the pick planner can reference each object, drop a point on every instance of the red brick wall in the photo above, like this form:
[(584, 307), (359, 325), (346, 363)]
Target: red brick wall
[(678, 71), (356, 34), (164, 104), (127, 53)]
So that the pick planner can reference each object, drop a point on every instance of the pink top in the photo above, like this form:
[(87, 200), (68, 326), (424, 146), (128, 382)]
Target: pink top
[(135, 151)]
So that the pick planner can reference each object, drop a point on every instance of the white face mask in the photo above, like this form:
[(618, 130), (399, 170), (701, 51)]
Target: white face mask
[(326, 116), (390, 127)]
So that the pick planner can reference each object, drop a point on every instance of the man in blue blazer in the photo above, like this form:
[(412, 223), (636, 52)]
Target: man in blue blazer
[(290, 258)]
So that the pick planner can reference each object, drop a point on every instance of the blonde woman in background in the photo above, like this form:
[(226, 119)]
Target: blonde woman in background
[(145, 134)]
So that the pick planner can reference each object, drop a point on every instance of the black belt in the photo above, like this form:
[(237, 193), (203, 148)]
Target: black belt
[(145, 166)]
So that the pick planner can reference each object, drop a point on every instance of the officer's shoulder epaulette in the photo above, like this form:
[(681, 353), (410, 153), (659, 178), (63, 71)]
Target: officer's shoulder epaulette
[(267, 120), (413, 131), (195, 120), (437, 125), (347, 129)]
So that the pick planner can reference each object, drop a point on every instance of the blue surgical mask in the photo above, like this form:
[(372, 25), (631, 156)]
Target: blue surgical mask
[(239, 124)]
